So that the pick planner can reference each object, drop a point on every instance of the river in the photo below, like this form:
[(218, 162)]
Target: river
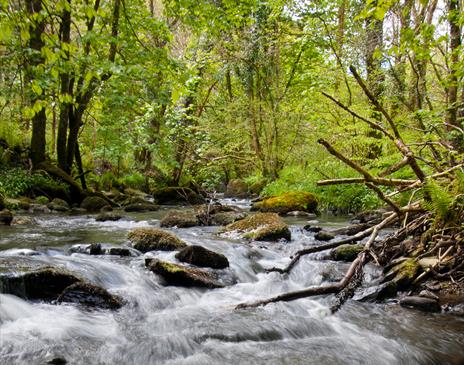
[(174, 325)]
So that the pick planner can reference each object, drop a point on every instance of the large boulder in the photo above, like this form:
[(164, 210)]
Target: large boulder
[(260, 227), (179, 275), (200, 256), (177, 195), (89, 295), (29, 279), (181, 219), (237, 188), (6, 217), (288, 202), (93, 203), (346, 252), (152, 239)]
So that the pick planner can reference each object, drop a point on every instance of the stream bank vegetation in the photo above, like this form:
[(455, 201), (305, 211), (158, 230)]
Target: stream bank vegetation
[(359, 103)]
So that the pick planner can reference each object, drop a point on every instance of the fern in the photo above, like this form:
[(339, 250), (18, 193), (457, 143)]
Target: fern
[(441, 200)]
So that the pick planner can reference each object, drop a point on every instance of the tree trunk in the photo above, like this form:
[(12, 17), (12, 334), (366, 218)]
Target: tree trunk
[(39, 120)]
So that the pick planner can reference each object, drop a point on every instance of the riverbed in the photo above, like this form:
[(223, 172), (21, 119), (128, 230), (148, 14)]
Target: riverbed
[(173, 325)]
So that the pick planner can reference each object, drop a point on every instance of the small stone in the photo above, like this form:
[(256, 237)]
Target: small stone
[(89, 295), (57, 361), (346, 252), (103, 217), (95, 249), (310, 228), (421, 303)]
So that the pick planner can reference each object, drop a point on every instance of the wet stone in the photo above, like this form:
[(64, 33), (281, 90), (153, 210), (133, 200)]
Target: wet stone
[(324, 236), (89, 295), (200, 256), (421, 303)]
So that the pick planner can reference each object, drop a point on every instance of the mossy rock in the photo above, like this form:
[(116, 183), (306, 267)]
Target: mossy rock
[(346, 252), (177, 195), (179, 275), (404, 273), (42, 200), (105, 216), (288, 202), (181, 219), (324, 236), (89, 295), (200, 256), (153, 239), (58, 205), (93, 203), (225, 218), (141, 207), (6, 217), (237, 188), (34, 281), (258, 186), (134, 193), (261, 227)]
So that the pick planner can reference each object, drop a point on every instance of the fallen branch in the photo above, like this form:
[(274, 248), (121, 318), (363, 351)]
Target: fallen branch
[(350, 240), (354, 268), (360, 180)]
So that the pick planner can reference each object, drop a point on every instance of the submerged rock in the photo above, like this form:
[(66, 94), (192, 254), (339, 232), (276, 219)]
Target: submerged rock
[(103, 217), (324, 236), (225, 218), (6, 217), (93, 203), (89, 295), (179, 275), (261, 227), (177, 195), (421, 303), (152, 239), (346, 252), (288, 202), (200, 256), (141, 207)]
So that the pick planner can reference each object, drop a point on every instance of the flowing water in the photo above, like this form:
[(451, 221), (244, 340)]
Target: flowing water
[(174, 325)]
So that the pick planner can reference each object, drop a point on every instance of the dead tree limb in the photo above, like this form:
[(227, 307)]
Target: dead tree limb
[(350, 240), (360, 180), (355, 266)]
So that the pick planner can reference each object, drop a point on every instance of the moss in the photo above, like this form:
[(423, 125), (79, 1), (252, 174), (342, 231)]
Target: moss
[(42, 200), (93, 203), (261, 227), (179, 275), (292, 201), (404, 273), (180, 219), (151, 239), (346, 252)]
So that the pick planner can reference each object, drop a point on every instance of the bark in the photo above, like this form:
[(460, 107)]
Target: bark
[(35, 59)]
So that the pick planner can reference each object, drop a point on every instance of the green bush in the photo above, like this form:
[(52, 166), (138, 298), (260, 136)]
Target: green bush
[(17, 182), (135, 180)]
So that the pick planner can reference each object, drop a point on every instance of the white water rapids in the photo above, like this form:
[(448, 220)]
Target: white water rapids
[(174, 325)]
